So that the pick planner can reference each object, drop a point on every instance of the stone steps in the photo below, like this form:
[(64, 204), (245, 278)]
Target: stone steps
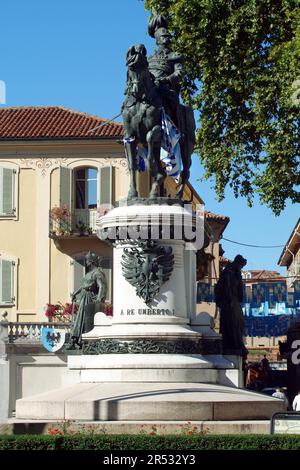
[(148, 402)]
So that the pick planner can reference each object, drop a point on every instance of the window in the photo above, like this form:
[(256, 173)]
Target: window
[(7, 281), (7, 191), (86, 188)]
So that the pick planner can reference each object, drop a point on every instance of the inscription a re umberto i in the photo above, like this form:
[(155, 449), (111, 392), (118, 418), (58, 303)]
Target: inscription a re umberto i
[(148, 311)]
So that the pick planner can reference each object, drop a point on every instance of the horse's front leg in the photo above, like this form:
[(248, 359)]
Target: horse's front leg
[(131, 154), (183, 181)]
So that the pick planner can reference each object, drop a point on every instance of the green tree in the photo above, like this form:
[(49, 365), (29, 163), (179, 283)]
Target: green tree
[(242, 61)]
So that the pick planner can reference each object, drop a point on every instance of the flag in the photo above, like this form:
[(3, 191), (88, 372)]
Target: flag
[(297, 290), (272, 302), (279, 292), (291, 303), (258, 294), (170, 152), (247, 294), (142, 156)]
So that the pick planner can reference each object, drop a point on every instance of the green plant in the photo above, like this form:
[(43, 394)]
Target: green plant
[(82, 227), (146, 442), (190, 429), (242, 63), (60, 220), (70, 427)]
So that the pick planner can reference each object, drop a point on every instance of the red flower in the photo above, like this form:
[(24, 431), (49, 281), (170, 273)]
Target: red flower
[(108, 310), (60, 312), (68, 309), (51, 310)]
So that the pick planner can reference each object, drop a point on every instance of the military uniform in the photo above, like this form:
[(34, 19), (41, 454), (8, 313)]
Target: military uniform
[(167, 68)]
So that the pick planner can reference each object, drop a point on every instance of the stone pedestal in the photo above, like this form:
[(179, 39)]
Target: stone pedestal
[(151, 340), (151, 360)]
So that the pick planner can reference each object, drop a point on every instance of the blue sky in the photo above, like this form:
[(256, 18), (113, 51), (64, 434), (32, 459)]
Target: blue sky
[(72, 53)]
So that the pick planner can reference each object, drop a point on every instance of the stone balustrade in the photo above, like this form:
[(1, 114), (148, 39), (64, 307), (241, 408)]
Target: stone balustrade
[(29, 332)]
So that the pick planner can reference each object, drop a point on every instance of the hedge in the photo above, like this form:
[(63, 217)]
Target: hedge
[(147, 442)]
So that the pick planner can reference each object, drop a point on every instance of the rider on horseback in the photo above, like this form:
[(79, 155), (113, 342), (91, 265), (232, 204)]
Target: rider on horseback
[(152, 113), (166, 66)]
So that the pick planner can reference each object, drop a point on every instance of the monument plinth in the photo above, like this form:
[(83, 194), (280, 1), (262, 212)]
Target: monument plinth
[(149, 338)]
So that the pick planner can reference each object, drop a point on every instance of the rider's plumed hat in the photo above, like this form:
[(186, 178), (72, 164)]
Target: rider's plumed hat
[(156, 22)]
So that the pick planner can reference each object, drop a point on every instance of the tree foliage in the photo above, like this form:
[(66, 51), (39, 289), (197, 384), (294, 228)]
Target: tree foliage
[(242, 60)]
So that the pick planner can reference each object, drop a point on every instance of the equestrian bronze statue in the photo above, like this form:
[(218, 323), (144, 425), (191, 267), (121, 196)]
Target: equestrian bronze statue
[(153, 86)]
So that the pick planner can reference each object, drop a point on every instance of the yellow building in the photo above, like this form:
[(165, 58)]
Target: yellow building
[(58, 169)]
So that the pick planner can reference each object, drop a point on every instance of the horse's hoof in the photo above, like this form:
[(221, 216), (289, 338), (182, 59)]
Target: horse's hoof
[(154, 193)]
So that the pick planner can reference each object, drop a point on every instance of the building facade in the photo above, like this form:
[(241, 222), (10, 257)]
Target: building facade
[(50, 162), (290, 256)]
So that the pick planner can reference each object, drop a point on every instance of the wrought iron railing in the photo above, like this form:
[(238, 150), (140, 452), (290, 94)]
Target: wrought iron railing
[(80, 222), (30, 332)]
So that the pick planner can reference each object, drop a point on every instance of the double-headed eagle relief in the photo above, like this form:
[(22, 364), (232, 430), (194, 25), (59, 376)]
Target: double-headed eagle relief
[(146, 266)]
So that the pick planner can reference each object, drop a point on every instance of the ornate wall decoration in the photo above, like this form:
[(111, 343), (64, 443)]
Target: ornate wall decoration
[(117, 162), (141, 346), (146, 266), (46, 164), (43, 164)]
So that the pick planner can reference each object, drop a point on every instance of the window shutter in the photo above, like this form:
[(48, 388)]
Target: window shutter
[(7, 191), (6, 281), (65, 187), (78, 273), (105, 186)]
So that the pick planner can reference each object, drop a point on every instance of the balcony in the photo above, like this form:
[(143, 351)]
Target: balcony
[(64, 223)]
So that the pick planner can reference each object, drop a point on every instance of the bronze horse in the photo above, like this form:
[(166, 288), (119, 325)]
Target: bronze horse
[(142, 116)]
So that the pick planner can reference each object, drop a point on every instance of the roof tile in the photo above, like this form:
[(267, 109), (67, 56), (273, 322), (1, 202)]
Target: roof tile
[(54, 122)]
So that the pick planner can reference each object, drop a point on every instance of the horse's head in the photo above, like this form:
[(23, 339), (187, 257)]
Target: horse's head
[(136, 57)]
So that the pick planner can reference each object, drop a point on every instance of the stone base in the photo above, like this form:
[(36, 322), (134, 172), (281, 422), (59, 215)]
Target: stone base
[(154, 368), (152, 402)]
